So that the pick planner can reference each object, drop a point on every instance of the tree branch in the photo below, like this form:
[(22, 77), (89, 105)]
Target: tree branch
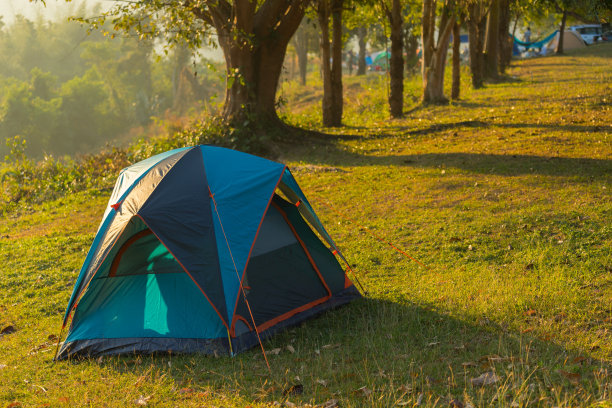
[(290, 21)]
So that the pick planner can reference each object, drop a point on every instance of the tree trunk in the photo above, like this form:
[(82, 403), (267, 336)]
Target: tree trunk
[(456, 86), (252, 82), (254, 42), (301, 48), (411, 43), (361, 60), (476, 27), (434, 53), (492, 42), (505, 42), (329, 72), (559, 49), (336, 69), (396, 68)]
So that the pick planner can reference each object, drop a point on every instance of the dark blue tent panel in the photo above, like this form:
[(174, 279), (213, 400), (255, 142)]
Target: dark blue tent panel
[(190, 239)]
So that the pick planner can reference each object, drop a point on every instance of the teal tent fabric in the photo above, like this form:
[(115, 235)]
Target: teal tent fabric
[(242, 192), (128, 178), (164, 270)]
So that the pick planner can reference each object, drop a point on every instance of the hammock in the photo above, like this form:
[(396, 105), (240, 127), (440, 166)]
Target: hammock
[(535, 44)]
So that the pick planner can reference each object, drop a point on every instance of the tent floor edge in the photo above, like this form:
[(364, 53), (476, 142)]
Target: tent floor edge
[(248, 340), (88, 348)]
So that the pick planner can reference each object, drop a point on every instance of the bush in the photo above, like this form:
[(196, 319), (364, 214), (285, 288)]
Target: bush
[(25, 181)]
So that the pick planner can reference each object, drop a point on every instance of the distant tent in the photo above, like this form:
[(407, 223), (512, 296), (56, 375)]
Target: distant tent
[(199, 252), (380, 60), (571, 40), (535, 44)]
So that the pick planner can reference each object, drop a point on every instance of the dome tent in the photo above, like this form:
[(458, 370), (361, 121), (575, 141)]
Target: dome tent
[(198, 252)]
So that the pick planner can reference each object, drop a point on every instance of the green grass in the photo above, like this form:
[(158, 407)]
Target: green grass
[(504, 195)]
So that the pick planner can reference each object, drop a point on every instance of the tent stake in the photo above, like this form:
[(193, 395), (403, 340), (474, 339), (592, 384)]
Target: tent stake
[(59, 338)]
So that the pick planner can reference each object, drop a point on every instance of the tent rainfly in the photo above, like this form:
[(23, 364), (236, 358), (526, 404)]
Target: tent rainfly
[(571, 40), (198, 251)]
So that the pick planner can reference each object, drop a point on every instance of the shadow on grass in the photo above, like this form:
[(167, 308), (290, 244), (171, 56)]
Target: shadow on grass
[(586, 169), (480, 124), (509, 165), (402, 131), (397, 348)]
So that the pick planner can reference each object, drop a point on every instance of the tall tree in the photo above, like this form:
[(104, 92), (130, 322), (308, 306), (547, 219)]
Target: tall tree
[(364, 15), (492, 41), (504, 45), (396, 65), (476, 20), (559, 49), (434, 52), (300, 41), (456, 83), (331, 61), (253, 36), (361, 55)]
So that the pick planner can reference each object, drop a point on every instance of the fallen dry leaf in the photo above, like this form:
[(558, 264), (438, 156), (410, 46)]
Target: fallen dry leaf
[(290, 404), (52, 337), (290, 349), (331, 346), (364, 391), (321, 382), (578, 360), (275, 351), (487, 378), (332, 403), (14, 404), (530, 312), (405, 389), (469, 364), (8, 330), (574, 378), (185, 391), (419, 399), (142, 401)]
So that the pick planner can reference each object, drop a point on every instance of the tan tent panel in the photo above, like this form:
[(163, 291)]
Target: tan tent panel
[(571, 40)]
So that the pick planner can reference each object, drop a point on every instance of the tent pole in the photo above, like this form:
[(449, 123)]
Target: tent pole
[(212, 197)]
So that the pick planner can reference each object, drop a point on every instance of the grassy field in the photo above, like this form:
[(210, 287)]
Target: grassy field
[(503, 195)]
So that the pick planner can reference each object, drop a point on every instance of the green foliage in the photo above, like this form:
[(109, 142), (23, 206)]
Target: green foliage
[(25, 182), (66, 91)]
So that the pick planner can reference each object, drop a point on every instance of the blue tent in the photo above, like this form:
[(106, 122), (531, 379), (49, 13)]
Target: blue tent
[(202, 249)]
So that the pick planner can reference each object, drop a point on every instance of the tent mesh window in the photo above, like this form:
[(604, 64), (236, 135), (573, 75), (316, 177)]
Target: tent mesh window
[(143, 253), (284, 274)]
